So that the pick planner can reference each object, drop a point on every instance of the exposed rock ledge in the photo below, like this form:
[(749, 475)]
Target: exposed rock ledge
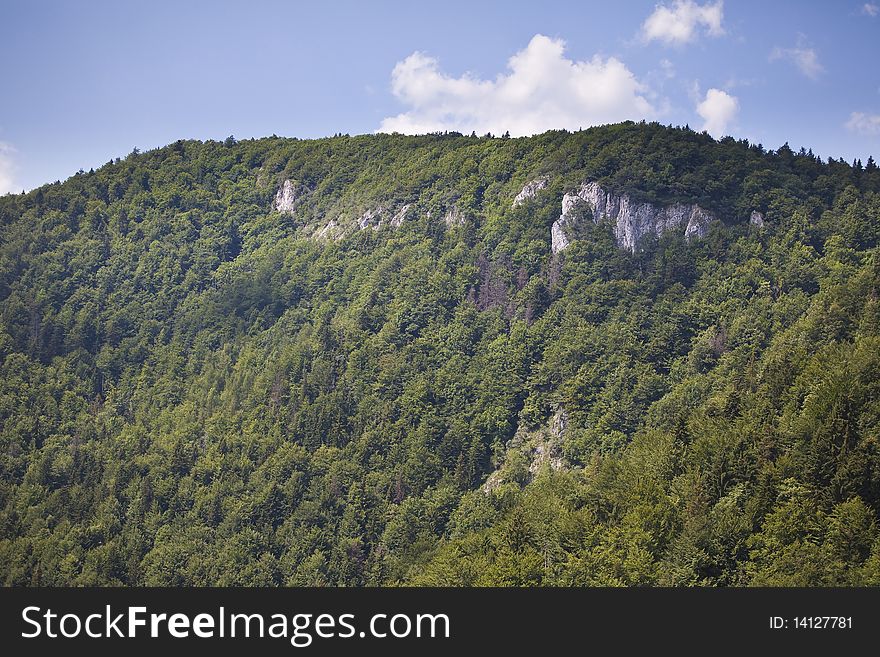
[(632, 221)]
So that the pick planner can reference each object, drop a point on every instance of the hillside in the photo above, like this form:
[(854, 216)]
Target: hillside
[(432, 360)]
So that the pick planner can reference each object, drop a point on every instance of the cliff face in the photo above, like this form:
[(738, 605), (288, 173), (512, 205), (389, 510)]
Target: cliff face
[(632, 221), (529, 190), (287, 197)]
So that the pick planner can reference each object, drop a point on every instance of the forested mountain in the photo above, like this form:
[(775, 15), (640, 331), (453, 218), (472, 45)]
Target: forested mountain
[(358, 361)]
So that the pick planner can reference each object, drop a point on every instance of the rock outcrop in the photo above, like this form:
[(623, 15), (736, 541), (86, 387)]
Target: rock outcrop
[(558, 239), (371, 218), (529, 452), (757, 219), (399, 216), (287, 197), (632, 221), (529, 190), (331, 231), (382, 216), (453, 217)]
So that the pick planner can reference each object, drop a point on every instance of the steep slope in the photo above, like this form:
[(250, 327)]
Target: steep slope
[(301, 362)]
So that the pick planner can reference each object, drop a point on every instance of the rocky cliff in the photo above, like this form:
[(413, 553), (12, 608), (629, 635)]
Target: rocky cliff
[(287, 197), (529, 190), (632, 221)]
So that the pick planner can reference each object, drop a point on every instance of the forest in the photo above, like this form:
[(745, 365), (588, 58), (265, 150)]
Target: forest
[(199, 389)]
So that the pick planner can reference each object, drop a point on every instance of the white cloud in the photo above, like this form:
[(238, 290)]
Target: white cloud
[(870, 9), (541, 90), (864, 124), (718, 110), (7, 169), (806, 59), (680, 23)]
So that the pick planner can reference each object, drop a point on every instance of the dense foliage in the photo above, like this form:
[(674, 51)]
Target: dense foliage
[(196, 390)]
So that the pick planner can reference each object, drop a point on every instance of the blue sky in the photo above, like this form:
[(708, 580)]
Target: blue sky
[(87, 81)]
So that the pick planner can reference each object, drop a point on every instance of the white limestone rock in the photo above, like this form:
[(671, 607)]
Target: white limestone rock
[(541, 448), (529, 190), (632, 221), (330, 231), (454, 217), (371, 219), (558, 240), (399, 216), (382, 216), (286, 197)]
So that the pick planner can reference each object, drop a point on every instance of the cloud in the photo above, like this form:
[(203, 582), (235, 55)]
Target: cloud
[(680, 23), (864, 124), (7, 169), (541, 90), (801, 56), (718, 110), (870, 9)]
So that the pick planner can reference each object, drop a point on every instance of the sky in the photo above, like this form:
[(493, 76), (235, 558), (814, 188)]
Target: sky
[(87, 81)]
